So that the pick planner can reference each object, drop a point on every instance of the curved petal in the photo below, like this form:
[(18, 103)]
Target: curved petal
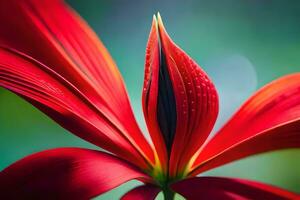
[(144, 192), (66, 44), (281, 137), (150, 98), (60, 100), (180, 102), (65, 173), (229, 188), (269, 120)]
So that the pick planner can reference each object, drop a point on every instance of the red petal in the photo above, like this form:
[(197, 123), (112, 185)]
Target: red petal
[(62, 102), (65, 173), (229, 188), (144, 192), (269, 120), (196, 102), (182, 112), (64, 42), (150, 93)]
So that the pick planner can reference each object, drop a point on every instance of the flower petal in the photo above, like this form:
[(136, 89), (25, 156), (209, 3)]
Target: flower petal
[(180, 103), (60, 100), (150, 97), (269, 120), (66, 44), (65, 173), (144, 192), (229, 188)]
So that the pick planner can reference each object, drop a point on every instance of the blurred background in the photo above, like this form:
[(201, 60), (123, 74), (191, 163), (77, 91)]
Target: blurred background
[(242, 45)]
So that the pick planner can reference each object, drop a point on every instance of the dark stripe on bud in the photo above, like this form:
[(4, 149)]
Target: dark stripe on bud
[(166, 104)]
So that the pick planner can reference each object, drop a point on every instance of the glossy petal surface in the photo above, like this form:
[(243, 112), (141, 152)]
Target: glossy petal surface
[(269, 120), (65, 173), (229, 189), (64, 103), (65, 43)]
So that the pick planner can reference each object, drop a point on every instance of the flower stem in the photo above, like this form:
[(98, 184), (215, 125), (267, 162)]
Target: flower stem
[(168, 194)]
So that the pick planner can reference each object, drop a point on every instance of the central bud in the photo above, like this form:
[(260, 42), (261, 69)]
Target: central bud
[(177, 96)]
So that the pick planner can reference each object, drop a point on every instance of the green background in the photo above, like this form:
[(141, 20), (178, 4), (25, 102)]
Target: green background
[(242, 45)]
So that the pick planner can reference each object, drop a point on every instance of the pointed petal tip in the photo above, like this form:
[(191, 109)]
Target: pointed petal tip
[(160, 22), (162, 30), (157, 19), (159, 16), (154, 25), (154, 19)]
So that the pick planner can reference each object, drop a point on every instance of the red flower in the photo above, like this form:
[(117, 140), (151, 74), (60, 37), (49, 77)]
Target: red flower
[(51, 58)]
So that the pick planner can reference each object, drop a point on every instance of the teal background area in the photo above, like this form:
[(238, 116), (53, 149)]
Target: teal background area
[(242, 45)]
